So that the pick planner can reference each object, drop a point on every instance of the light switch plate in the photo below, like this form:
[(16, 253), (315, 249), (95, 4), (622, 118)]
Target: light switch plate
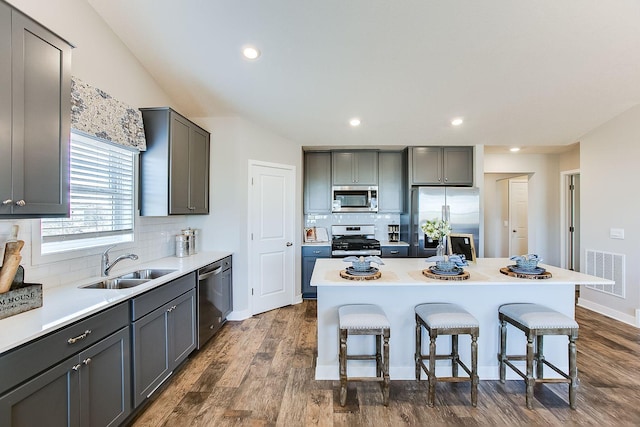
[(616, 233)]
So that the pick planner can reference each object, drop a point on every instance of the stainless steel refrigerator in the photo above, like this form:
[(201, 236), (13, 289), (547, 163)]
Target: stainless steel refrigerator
[(459, 205)]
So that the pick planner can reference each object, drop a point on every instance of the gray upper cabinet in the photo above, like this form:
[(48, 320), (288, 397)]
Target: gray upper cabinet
[(441, 166), (317, 182), (35, 99), (355, 167), (174, 171), (391, 174)]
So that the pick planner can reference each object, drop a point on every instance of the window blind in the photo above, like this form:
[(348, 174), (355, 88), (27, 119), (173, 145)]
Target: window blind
[(101, 193)]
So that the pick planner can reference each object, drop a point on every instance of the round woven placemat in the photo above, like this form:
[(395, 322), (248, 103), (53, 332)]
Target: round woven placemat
[(464, 276), (545, 275)]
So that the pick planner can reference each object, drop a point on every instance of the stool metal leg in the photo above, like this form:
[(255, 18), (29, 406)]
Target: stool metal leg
[(454, 355), (474, 370), (343, 366), (503, 351), (573, 372), (418, 355), (530, 381), (540, 356), (432, 369), (385, 367)]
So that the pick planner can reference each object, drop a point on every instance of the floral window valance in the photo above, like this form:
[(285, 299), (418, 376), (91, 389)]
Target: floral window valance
[(95, 112)]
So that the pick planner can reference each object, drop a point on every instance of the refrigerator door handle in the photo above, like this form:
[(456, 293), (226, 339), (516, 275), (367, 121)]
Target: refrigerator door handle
[(447, 213)]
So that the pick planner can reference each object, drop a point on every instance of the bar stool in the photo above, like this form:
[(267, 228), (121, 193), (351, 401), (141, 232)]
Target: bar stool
[(364, 319), (536, 321), (446, 319)]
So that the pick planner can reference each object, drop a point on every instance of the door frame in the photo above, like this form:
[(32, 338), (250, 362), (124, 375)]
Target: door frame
[(564, 212), (250, 208)]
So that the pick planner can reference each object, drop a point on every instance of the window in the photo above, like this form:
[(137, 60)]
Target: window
[(101, 198)]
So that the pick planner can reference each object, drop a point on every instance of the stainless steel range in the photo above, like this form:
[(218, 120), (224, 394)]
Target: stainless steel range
[(354, 240)]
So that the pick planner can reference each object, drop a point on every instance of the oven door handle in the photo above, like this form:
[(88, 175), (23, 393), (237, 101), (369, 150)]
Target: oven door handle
[(210, 273)]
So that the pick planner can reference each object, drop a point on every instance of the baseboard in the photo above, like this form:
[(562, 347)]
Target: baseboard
[(239, 315), (609, 312)]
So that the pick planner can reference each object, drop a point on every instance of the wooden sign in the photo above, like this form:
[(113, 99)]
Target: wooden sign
[(20, 300)]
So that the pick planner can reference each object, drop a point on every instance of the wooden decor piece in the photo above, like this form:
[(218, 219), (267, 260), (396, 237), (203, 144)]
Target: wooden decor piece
[(545, 275), (372, 276), (464, 276)]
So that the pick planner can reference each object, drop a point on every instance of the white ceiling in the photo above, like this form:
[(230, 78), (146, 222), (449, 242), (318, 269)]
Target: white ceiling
[(536, 73)]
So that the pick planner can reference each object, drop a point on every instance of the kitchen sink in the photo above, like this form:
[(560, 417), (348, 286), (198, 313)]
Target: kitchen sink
[(117, 283), (130, 280), (148, 274)]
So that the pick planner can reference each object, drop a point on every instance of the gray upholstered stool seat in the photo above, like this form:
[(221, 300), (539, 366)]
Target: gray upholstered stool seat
[(536, 321), (364, 319), (446, 319)]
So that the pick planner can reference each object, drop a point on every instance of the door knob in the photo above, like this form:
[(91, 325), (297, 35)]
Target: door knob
[(289, 244), (514, 231)]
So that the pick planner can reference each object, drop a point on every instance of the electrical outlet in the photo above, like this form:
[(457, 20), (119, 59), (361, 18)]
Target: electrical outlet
[(616, 233)]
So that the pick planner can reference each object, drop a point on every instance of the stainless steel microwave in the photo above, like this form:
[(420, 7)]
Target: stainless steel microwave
[(355, 199)]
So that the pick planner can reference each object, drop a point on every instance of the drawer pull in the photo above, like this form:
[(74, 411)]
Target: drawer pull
[(79, 337), (394, 252), (316, 252)]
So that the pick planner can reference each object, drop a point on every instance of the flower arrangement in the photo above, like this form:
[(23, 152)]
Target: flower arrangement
[(436, 229)]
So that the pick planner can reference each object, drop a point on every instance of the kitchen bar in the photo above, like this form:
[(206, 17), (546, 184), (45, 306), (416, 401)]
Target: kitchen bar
[(402, 286)]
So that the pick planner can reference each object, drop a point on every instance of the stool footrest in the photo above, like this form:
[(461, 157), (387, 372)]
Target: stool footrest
[(367, 379), (361, 357)]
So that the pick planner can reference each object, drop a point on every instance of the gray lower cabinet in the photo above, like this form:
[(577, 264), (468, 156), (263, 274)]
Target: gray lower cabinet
[(35, 109), (164, 333), (317, 182), (174, 171), (309, 256), (394, 251), (391, 173), (89, 388), (441, 166)]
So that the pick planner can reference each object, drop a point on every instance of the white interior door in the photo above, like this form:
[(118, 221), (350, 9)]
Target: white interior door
[(518, 217), (271, 215)]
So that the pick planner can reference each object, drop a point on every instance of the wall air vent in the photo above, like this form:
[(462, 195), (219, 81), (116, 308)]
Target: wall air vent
[(608, 266)]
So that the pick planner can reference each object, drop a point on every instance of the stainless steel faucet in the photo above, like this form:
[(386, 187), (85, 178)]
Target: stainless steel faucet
[(105, 266)]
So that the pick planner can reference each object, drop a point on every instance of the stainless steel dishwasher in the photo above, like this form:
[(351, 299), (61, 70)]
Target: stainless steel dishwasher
[(215, 298)]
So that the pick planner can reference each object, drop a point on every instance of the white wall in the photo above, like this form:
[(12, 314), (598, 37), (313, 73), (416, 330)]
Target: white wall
[(544, 204), (609, 177), (102, 60), (235, 141)]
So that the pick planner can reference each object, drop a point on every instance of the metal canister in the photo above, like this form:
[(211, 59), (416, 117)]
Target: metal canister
[(190, 234), (182, 245)]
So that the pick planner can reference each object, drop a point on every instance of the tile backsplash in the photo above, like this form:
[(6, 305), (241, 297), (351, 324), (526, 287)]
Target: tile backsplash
[(380, 221), (154, 238)]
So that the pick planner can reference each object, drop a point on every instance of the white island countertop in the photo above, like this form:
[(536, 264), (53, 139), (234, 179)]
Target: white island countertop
[(66, 304), (402, 286)]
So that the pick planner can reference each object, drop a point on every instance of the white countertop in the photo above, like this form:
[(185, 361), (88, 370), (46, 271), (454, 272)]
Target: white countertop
[(66, 304), (408, 272)]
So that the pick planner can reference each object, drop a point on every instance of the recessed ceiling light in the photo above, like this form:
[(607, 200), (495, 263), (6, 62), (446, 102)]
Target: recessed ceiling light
[(457, 121), (250, 52), (354, 122), (514, 149)]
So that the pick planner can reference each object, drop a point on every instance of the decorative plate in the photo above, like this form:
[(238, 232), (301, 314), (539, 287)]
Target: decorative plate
[(516, 269), (455, 272), (352, 271)]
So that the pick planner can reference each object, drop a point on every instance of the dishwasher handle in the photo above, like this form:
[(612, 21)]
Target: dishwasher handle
[(209, 273)]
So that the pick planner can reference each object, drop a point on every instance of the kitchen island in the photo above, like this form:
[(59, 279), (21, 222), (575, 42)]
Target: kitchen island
[(402, 286)]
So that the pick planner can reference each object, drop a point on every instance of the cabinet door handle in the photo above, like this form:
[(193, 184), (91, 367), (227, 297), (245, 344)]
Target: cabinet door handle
[(316, 252), (87, 361), (192, 208), (21, 203), (79, 337), (76, 367), (173, 307), (7, 202)]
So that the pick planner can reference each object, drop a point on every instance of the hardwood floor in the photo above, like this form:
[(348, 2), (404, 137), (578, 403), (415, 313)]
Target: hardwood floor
[(260, 372)]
